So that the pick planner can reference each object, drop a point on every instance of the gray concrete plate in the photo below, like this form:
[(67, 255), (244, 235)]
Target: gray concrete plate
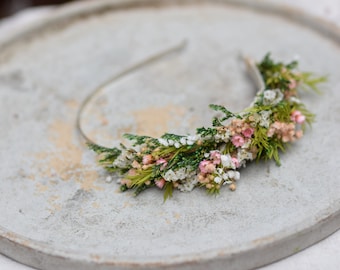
[(57, 210)]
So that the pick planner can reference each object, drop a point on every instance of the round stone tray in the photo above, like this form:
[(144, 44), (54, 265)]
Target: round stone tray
[(57, 210)]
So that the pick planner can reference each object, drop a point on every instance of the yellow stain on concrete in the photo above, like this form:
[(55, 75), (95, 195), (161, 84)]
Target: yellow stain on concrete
[(155, 121), (64, 161)]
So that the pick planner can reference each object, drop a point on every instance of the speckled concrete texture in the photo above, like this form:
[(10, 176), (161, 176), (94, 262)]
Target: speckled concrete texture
[(59, 213)]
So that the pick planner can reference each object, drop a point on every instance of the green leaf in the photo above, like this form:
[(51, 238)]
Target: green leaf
[(170, 136), (204, 132), (110, 153), (310, 82), (140, 139), (168, 189), (219, 108)]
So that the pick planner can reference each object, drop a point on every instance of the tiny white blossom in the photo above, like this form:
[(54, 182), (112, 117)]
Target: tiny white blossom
[(246, 144), (177, 145), (231, 174), (163, 142), (181, 173), (295, 100), (264, 121), (218, 136), (192, 138), (170, 176), (189, 142), (225, 176), (272, 97), (217, 179), (269, 95), (109, 179), (227, 161), (243, 154), (188, 185), (183, 141), (227, 182)]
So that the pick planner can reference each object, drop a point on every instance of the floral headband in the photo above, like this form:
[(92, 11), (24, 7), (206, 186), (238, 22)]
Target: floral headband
[(212, 157)]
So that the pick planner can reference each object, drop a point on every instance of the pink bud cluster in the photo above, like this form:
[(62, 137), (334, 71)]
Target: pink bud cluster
[(240, 131), (207, 167), (147, 161)]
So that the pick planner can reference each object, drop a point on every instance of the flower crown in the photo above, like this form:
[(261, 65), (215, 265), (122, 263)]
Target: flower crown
[(212, 157)]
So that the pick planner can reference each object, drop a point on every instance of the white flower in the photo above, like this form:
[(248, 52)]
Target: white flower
[(120, 162), (231, 174), (163, 142), (269, 95), (235, 175), (218, 136), (264, 121), (170, 176), (109, 179), (295, 100), (189, 183), (227, 182), (227, 161), (183, 141), (217, 179), (177, 145), (243, 154), (181, 173), (257, 117), (189, 142), (192, 137), (219, 170), (246, 144), (272, 97)]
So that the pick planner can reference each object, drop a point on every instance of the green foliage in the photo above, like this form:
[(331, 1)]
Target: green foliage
[(282, 111), (168, 190), (139, 140), (141, 177), (217, 122), (311, 82), (110, 154), (188, 157), (175, 155), (140, 188), (170, 136), (272, 73), (205, 132), (228, 114)]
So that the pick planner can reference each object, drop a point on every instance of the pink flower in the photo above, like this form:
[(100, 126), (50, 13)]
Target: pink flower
[(237, 140), (299, 134), (248, 132), (215, 156), (163, 162), (235, 161), (206, 166), (147, 159), (160, 183), (292, 84), (297, 117)]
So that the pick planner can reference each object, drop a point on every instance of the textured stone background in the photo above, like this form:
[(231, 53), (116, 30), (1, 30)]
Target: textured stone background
[(320, 256)]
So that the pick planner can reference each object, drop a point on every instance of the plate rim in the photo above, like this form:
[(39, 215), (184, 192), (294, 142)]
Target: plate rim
[(42, 255)]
